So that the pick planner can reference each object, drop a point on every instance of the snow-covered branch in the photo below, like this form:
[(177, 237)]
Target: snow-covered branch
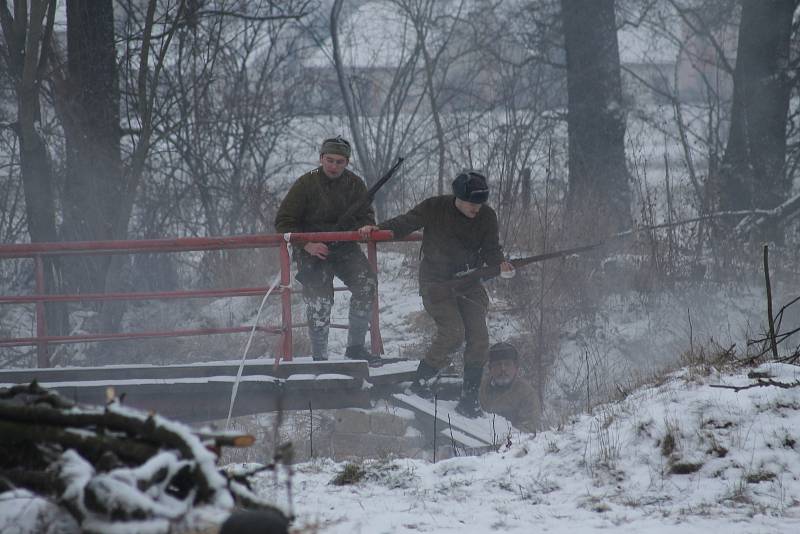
[(117, 469)]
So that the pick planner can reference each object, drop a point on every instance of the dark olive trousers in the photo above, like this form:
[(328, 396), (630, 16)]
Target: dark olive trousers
[(347, 262), (459, 317)]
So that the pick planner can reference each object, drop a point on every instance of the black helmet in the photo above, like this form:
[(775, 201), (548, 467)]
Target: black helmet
[(471, 186)]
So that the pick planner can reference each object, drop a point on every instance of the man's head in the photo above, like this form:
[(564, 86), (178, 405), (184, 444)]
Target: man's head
[(334, 155), (503, 364), (471, 191)]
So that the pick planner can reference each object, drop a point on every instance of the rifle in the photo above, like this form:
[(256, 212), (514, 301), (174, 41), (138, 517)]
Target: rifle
[(346, 220), (464, 278)]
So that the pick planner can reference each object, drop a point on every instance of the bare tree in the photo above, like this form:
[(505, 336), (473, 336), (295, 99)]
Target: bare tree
[(434, 34), (688, 49), (90, 117), (599, 182), (234, 90), (753, 172), (27, 35), (386, 113), (528, 89), (793, 128), (347, 93)]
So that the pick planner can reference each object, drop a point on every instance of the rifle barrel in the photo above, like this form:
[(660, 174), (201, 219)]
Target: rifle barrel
[(383, 179), (490, 271), (342, 222), (494, 270), (520, 262)]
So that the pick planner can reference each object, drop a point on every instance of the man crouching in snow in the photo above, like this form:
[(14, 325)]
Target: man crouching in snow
[(460, 233), (503, 391)]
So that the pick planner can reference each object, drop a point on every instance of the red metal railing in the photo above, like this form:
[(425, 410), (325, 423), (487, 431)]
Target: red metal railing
[(37, 251)]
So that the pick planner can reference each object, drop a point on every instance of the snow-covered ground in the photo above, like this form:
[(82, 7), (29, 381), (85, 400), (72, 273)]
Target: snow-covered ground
[(680, 456), (677, 455)]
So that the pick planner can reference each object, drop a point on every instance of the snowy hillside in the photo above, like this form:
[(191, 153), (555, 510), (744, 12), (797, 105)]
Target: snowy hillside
[(677, 456)]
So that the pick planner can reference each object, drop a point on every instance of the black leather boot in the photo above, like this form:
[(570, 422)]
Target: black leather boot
[(469, 405), (359, 352), (421, 384)]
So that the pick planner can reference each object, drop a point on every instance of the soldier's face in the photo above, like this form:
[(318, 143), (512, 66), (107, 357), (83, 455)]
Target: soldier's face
[(469, 209), (503, 372), (333, 165)]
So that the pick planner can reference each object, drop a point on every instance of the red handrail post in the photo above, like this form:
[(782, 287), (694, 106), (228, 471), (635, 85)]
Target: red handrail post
[(42, 356), (286, 302), (376, 342)]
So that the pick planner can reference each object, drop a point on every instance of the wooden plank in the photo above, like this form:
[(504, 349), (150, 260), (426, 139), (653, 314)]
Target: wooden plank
[(393, 373), (209, 383), (192, 400), (487, 430), (463, 445), (459, 437), (355, 368)]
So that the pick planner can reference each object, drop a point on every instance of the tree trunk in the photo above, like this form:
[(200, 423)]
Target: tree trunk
[(94, 192), (752, 174), (27, 41), (599, 196), (94, 181)]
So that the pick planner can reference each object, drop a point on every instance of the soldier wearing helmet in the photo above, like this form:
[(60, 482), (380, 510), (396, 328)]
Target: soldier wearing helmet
[(460, 233), (315, 203)]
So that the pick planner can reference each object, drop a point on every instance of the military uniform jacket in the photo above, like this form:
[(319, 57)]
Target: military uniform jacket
[(315, 202), (451, 241), (516, 402)]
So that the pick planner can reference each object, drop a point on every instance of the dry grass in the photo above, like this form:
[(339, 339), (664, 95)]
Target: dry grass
[(760, 476), (701, 361), (351, 473), (668, 444)]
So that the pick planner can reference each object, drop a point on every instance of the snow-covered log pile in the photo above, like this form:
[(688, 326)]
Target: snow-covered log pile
[(117, 469)]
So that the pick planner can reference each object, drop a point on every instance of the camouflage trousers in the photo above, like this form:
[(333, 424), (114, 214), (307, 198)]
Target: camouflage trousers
[(347, 262), (459, 317)]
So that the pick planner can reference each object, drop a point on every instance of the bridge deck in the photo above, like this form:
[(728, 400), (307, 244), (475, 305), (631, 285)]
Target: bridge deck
[(201, 392)]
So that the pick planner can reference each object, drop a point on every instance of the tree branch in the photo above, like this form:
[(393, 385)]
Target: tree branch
[(761, 383), (347, 94), (242, 16)]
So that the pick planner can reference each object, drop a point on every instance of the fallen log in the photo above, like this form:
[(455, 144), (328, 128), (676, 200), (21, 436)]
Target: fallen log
[(89, 444)]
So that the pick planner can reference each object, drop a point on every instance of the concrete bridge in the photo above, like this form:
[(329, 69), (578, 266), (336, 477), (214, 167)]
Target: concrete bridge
[(201, 392)]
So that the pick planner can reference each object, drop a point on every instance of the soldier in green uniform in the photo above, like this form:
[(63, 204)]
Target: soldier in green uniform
[(315, 203), (503, 391), (460, 233)]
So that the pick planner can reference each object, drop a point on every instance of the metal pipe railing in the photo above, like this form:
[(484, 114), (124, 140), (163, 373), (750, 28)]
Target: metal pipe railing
[(38, 251)]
